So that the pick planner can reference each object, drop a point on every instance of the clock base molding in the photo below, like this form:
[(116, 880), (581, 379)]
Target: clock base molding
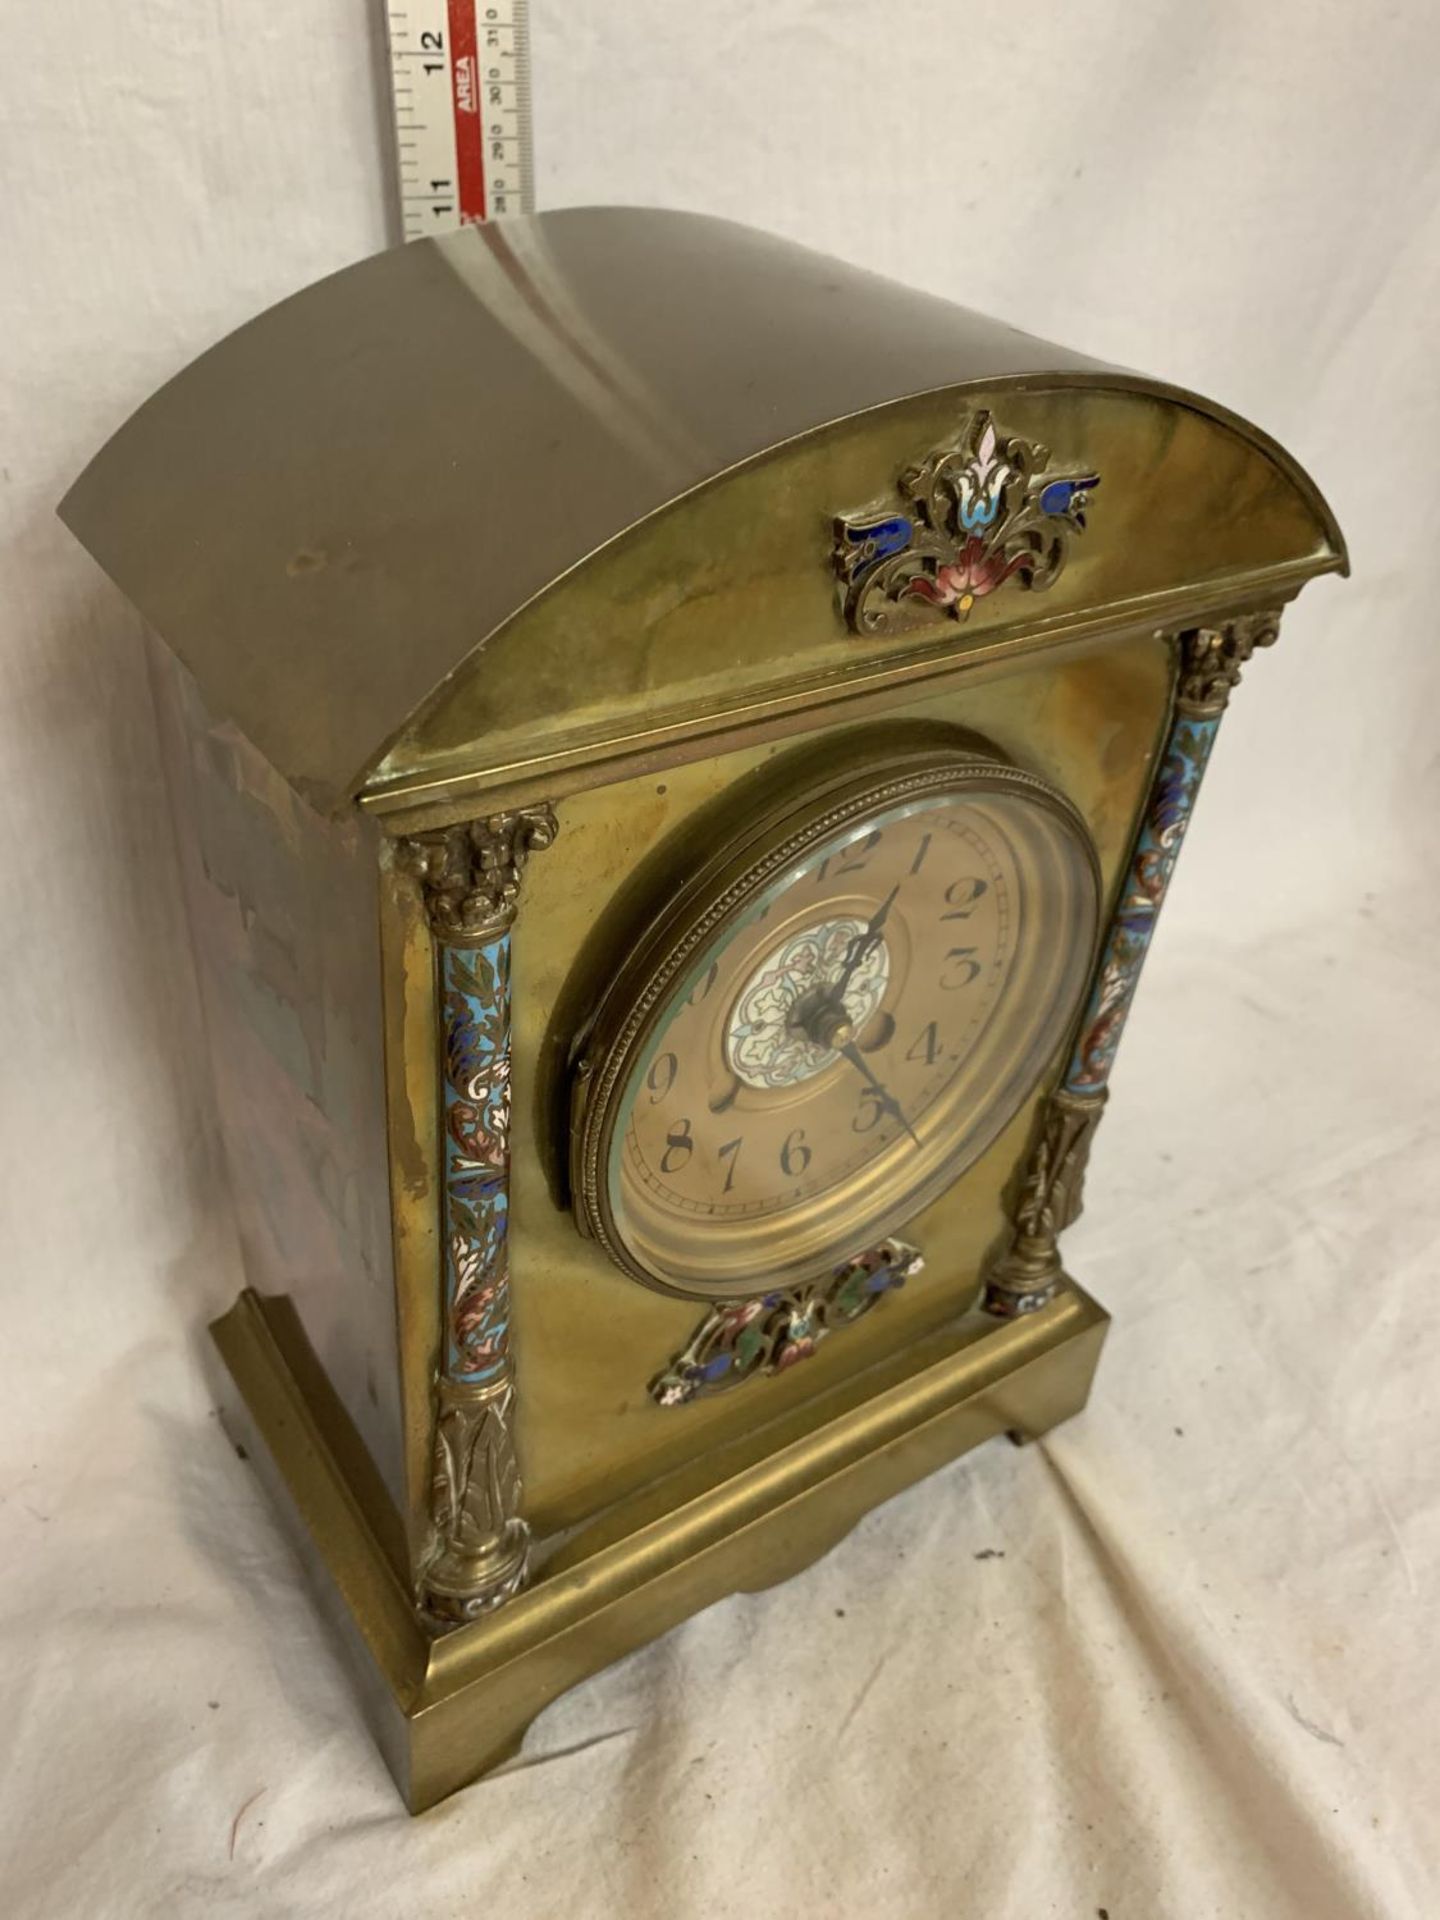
[(446, 1707)]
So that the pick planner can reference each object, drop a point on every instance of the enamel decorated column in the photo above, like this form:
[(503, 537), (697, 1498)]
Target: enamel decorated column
[(1211, 659), (470, 877)]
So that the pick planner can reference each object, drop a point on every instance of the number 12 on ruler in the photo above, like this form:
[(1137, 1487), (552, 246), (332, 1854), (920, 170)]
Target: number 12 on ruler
[(460, 77)]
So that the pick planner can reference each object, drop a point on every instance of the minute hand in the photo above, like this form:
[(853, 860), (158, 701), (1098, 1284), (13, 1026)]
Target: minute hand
[(888, 1102)]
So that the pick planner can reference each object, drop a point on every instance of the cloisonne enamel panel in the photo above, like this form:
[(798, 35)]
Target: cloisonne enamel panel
[(1167, 814), (475, 1011)]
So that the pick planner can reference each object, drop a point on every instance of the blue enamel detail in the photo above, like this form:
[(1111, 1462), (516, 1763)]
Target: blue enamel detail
[(1167, 814), (475, 990), (878, 539), (1057, 496)]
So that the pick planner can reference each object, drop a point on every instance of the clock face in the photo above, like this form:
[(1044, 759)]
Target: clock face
[(833, 1021)]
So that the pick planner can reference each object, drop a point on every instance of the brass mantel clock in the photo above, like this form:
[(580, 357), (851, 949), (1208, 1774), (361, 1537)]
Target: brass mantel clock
[(678, 749)]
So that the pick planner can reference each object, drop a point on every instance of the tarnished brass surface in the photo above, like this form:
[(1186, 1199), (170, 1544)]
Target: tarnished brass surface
[(341, 516), (1193, 517), (1090, 723), (445, 1710), (281, 905), (412, 1102)]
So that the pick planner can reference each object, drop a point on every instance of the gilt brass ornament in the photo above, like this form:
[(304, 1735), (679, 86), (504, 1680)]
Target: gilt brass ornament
[(470, 874), (1029, 1273), (987, 510), (745, 1339), (482, 1543), (1211, 660)]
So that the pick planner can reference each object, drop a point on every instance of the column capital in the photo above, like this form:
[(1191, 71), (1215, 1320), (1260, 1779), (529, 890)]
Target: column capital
[(1211, 660), (470, 874)]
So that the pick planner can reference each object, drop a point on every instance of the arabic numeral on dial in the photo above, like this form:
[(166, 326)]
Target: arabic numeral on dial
[(921, 851), (661, 1077), (926, 1046), (850, 859), (795, 1156), (872, 1106), (855, 857), (731, 1151), (679, 1145), (963, 897), (960, 968)]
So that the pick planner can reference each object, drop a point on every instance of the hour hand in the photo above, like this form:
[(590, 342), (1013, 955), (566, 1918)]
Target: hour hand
[(864, 943)]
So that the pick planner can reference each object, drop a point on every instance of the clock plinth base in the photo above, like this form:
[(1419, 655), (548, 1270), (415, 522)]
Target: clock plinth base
[(445, 1708)]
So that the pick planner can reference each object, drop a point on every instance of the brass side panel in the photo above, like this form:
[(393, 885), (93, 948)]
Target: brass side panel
[(283, 914), (587, 1339), (724, 604), (412, 1024)]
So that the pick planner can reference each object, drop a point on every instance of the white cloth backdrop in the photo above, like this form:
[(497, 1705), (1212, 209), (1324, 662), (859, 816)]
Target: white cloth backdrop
[(1181, 1659)]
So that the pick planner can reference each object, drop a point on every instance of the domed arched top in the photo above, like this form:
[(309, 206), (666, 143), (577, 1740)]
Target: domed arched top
[(403, 525)]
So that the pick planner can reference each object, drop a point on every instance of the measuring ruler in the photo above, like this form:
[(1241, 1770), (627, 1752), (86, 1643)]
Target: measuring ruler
[(460, 76)]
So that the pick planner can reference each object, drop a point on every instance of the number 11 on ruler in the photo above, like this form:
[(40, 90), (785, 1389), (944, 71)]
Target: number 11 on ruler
[(460, 79)]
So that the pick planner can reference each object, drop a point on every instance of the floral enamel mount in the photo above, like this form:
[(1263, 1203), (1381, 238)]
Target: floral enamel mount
[(741, 1339), (975, 515)]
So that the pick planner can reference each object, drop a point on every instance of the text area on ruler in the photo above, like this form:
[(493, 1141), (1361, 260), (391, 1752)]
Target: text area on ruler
[(460, 76)]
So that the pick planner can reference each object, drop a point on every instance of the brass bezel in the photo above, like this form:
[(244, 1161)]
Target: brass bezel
[(723, 887)]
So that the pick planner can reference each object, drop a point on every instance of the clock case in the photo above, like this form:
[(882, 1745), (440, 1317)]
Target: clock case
[(488, 575)]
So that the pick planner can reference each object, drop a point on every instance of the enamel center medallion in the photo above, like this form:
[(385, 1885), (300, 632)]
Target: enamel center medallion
[(767, 1043)]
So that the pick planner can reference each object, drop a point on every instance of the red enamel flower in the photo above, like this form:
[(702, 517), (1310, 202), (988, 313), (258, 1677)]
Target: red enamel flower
[(960, 583)]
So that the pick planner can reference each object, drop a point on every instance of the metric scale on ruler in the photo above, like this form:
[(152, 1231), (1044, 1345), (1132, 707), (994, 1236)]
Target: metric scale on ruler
[(460, 73)]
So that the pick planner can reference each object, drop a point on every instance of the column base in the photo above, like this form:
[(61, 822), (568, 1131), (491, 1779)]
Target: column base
[(1025, 1279)]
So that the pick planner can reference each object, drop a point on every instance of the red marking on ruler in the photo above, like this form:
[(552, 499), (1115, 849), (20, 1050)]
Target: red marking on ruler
[(465, 99)]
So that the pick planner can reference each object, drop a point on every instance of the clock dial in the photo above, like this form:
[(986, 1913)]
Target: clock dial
[(836, 1031)]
